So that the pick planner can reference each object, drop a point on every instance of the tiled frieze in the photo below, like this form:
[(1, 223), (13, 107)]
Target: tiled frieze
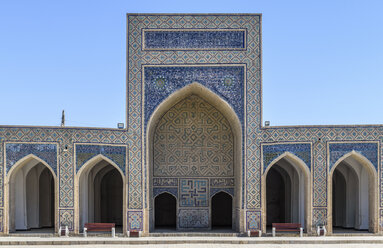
[(1, 220), (135, 221), (193, 218), (1, 174), (221, 182), (165, 181), (368, 149), (66, 218), (253, 220), (16, 151), (272, 151), (194, 192), (84, 152), (194, 39)]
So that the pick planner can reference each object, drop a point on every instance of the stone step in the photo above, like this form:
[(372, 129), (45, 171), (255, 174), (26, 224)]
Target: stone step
[(193, 234)]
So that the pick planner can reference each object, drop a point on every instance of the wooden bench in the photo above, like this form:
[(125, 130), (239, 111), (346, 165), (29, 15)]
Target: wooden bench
[(287, 227), (100, 227)]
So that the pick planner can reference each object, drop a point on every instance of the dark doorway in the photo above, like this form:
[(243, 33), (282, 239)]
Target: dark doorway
[(165, 211), (221, 211), (46, 199), (276, 197), (111, 197)]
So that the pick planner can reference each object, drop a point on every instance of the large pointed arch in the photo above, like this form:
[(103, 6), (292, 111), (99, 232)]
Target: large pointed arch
[(372, 188), (31, 161), (228, 112), (297, 164), (83, 173)]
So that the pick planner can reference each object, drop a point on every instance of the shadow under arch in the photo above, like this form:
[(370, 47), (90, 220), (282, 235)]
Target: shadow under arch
[(298, 165), (222, 214), (31, 161), (228, 112), (165, 210), (372, 188), (81, 186)]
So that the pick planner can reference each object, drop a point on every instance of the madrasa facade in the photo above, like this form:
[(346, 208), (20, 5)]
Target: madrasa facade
[(195, 155)]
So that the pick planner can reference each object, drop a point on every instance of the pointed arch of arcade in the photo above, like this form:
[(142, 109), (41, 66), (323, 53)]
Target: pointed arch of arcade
[(28, 162), (82, 178), (228, 112), (228, 197), (298, 165), (372, 189)]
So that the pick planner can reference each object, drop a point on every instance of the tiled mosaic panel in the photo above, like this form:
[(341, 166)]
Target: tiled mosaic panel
[(368, 150), (221, 182), (66, 218), (319, 183), (158, 191), (214, 191), (194, 193), (137, 58), (1, 221), (253, 220), (194, 39), (193, 139), (115, 153), (193, 218), (165, 181), (135, 221), (16, 151), (319, 216), (273, 151), (226, 81)]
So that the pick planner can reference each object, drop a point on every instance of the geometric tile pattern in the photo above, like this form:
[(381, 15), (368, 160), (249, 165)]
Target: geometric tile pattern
[(226, 81), (115, 153), (46, 152), (368, 150), (319, 216), (193, 139), (158, 191), (1, 176), (66, 218), (193, 218), (193, 193), (253, 220), (271, 152), (193, 39), (135, 221)]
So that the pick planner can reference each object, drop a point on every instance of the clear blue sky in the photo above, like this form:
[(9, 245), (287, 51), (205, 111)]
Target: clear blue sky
[(322, 60)]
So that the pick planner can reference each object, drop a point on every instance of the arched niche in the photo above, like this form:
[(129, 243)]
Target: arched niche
[(227, 111), (222, 211), (296, 176), (101, 193), (360, 186), (31, 198), (165, 211)]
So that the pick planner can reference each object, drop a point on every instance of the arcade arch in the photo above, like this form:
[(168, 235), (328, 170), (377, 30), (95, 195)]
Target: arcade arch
[(101, 193), (286, 192), (31, 193), (353, 198)]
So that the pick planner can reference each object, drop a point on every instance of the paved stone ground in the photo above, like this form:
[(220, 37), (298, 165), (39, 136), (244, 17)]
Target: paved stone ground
[(210, 246), (198, 242)]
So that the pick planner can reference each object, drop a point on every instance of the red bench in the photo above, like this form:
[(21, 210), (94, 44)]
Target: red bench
[(99, 227), (288, 227)]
